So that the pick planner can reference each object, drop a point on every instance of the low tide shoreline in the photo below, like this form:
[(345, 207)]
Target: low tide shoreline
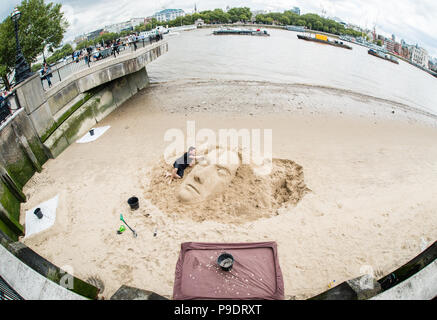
[(371, 172)]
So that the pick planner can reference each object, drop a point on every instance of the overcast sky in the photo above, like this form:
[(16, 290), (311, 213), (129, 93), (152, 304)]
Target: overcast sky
[(412, 20)]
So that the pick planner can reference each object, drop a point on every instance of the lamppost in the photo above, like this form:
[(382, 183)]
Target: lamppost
[(22, 68)]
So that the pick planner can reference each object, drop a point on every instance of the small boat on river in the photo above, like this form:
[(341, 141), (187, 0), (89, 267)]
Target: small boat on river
[(324, 39), (247, 32), (382, 55)]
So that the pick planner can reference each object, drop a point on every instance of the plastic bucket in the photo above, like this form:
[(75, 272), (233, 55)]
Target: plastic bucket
[(38, 213), (225, 261), (133, 203), (92, 132)]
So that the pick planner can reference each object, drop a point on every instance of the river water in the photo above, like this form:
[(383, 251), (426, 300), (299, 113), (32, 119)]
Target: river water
[(282, 58)]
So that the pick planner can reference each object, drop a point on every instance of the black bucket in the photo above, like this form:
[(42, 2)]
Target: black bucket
[(225, 261), (133, 203), (38, 213), (92, 132)]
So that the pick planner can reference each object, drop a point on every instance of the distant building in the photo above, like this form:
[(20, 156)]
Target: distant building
[(369, 35), (199, 22), (125, 25), (398, 48), (380, 37), (354, 27), (94, 34), (80, 38), (168, 14), (432, 65), (257, 12), (389, 44), (338, 20), (296, 10), (137, 21), (405, 51), (148, 20), (419, 56)]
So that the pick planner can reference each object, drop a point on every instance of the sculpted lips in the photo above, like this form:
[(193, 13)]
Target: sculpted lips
[(190, 186)]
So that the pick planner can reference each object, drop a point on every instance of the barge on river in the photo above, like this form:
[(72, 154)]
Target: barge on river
[(247, 32), (382, 55), (324, 39)]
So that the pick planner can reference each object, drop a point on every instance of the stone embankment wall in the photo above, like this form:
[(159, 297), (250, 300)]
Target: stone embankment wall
[(49, 121), (46, 123)]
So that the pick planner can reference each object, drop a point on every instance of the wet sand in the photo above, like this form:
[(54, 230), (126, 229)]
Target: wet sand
[(371, 167)]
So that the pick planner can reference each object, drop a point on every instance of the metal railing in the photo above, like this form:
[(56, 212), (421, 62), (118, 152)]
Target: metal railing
[(63, 70), (8, 106), (7, 292)]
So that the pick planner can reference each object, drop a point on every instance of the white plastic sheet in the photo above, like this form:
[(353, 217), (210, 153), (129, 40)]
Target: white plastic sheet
[(34, 224), (97, 133)]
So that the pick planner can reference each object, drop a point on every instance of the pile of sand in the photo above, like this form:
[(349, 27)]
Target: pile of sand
[(249, 197)]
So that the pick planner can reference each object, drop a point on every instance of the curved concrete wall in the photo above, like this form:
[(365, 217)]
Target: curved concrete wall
[(22, 154), (420, 286), (46, 124), (47, 108), (417, 279), (33, 277), (49, 121)]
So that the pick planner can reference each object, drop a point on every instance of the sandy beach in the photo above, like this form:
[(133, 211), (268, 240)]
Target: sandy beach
[(370, 166)]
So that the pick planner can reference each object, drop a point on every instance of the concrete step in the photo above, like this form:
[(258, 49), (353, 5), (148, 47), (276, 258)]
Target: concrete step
[(68, 106)]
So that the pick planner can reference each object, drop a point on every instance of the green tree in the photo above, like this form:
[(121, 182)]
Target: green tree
[(40, 25), (318, 25), (83, 44), (125, 33), (236, 14), (259, 18), (66, 50), (284, 20)]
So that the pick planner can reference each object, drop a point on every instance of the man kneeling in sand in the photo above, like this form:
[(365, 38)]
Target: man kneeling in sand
[(210, 177), (179, 166)]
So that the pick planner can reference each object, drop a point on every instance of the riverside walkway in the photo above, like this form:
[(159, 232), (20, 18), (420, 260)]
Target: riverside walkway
[(63, 70), (44, 122)]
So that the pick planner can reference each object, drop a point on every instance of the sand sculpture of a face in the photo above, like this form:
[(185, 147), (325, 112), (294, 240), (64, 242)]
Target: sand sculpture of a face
[(210, 177)]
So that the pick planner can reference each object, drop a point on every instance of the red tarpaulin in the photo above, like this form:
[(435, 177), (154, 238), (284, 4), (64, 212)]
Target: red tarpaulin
[(255, 273)]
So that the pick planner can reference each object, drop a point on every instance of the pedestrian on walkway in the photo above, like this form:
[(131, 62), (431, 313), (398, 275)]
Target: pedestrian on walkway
[(114, 48), (47, 72)]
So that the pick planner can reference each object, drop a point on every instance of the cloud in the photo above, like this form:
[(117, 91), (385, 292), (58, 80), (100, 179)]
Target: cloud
[(408, 19)]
